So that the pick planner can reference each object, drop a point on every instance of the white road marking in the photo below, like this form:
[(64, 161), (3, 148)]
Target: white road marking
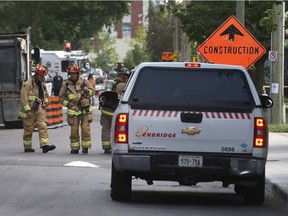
[(81, 164)]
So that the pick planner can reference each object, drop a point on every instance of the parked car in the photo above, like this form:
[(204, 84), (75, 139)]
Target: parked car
[(98, 75)]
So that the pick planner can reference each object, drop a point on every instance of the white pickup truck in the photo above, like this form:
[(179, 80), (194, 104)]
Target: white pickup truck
[(190, 122)]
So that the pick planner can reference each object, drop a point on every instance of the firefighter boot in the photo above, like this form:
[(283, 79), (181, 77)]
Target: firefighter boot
[(29, 150), (74, 151), (47, 148), (107, 151), (85, 151)]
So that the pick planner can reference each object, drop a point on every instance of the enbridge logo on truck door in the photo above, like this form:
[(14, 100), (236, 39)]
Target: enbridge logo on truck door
[(233, 44)]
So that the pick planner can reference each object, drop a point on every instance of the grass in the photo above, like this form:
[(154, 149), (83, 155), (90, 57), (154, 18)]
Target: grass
[(279, 128)]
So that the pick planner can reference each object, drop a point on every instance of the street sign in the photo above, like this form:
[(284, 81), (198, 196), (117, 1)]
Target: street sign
[(273, 56), (233, 44)]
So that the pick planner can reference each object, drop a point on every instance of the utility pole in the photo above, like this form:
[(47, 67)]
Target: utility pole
[(240, 11), (277, 80), (185, 54), (175, 35)]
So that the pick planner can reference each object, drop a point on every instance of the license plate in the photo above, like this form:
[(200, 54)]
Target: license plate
[(190, 161)]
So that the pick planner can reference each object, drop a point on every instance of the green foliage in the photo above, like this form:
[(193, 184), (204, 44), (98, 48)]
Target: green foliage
[(106, 56), (269, 21), (160, 33), (202, 18), (282, 128), (138, 52), (53, 22)]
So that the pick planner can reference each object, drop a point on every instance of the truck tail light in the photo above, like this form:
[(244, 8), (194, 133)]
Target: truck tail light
[(260, 131), (193, 65), (121, 128)]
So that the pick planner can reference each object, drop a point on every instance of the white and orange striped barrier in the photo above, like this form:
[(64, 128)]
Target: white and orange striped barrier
[(54, 112)]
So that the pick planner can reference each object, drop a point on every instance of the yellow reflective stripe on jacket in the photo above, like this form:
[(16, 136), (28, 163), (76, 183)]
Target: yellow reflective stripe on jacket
[(27, 143), (106, 144), (26, 107), (90, 92), (107, 112), (31, 97), (22, 115), (86, 144), (71, 96), (71, 112), (44, 141), (75, 145), (65, 103)]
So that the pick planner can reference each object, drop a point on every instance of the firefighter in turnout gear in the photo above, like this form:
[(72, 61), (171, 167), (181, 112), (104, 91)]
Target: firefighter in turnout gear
[(75, 94), (33, 101), (107, 110)]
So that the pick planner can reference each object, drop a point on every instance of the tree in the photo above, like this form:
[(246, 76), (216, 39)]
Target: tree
[(52, 22), (138, 53), (159, 34), (106, 56)]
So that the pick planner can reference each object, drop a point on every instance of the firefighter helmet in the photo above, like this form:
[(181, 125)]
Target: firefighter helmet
[(40, 69), (73, 68)]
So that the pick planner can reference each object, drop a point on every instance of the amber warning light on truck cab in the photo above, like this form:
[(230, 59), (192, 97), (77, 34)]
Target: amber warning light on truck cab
[(260, 133), (121, 128), (167, 57)]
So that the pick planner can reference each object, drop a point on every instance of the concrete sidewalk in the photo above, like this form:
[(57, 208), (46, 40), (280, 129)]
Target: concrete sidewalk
[(277, 164)]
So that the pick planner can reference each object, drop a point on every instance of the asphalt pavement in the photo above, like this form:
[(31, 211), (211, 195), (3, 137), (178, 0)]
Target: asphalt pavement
[(277, 164)]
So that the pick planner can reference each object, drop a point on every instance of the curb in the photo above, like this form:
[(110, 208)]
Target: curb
[(277, 189)]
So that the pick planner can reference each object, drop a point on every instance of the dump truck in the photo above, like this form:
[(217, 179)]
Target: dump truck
[(15, 68)]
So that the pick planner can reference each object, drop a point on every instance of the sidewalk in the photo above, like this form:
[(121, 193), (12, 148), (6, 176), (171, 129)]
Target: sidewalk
[(277, 164)]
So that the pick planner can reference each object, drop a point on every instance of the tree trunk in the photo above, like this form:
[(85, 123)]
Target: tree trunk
[(258, 77)]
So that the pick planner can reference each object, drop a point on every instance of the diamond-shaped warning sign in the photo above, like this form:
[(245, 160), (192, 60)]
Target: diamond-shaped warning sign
[(233, 44)]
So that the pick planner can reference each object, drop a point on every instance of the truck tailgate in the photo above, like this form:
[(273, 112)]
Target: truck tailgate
[(158, 130)]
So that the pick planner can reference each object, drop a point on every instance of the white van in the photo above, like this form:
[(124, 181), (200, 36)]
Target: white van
[(190, 122)]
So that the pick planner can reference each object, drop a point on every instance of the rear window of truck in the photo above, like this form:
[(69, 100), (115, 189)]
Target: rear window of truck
[(191, 89)]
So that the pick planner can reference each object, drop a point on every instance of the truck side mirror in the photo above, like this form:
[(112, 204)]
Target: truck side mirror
[(266, 101), (36, 55)]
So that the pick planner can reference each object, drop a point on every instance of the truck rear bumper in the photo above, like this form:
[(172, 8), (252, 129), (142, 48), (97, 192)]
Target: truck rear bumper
[(213, 165)]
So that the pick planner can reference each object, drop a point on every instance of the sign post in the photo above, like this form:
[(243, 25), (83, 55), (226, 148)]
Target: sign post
[(231, 44)]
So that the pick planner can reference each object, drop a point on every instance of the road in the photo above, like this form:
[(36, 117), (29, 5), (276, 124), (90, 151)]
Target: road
[(60, 184)]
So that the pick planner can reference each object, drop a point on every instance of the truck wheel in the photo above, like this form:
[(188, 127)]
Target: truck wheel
[(256, 195), (121, 184), (240, 189)]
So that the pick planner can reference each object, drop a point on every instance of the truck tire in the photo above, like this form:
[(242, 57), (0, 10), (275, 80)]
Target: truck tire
[(239, 189), (256, 195), (121, 184)]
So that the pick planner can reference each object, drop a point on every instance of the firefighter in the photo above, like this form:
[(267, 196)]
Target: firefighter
[(75, 94), (107, 112), (33, 101)]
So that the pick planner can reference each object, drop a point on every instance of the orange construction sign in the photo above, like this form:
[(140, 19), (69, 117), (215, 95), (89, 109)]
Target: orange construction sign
[(231, 44)]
